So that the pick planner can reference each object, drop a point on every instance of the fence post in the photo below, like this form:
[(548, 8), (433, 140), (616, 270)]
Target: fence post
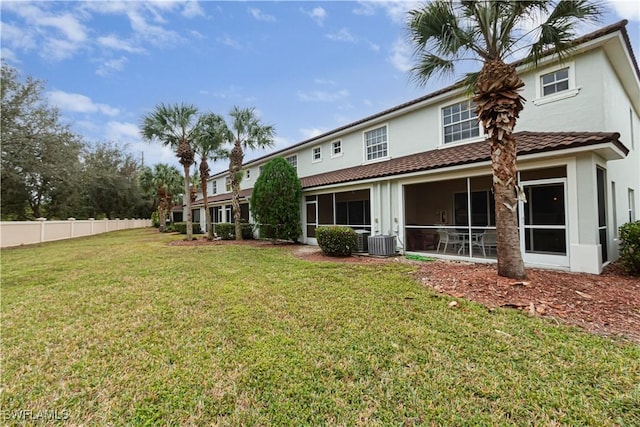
[(42, 220), (71, 228)]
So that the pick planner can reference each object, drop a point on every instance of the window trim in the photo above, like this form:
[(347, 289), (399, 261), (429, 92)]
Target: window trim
[(247, 174), (214, 186), (313, 154), (364, 144), (443, 144), (333, 153), (290, 157), (569, 93)]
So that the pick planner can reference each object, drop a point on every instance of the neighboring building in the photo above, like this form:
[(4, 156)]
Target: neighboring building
[(421, 170)]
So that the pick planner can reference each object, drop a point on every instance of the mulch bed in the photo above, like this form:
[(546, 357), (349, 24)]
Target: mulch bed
[(606, 304)]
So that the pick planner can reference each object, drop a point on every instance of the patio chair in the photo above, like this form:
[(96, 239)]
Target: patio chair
[(447, 239), (489, 241)]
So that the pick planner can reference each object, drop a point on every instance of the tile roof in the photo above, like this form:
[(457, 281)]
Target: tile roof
[(225, 197), (527, 143)]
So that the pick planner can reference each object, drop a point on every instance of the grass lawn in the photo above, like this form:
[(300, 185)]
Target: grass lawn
[(123, 329)]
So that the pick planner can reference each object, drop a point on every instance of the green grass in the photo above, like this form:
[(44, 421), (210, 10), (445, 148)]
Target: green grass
[(123, 329)]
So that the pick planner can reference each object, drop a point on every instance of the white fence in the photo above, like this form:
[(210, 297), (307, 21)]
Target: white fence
[(16, 233)]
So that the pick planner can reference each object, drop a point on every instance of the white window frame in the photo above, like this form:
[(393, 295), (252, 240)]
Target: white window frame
[(317, 159), (293, 161), (214, 187), (247, 174), (227, 184), (480, 136), (569, 93), (386, 141), (334, 145)]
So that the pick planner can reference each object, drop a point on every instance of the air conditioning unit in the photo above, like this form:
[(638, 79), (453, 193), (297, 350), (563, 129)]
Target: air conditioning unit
[(382, 245), (362, 245)]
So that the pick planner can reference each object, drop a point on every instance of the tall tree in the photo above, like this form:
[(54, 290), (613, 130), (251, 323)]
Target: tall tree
[(275, 201), (445, 32), (40, 155), (212, 133), (173, 126), (164, 182), (249, 133)]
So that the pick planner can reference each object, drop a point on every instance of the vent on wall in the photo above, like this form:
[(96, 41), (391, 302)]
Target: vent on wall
[(382, 245)]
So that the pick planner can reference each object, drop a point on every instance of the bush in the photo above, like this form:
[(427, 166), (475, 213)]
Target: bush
[(155, 221), (181, 227), (630, 247), (275, 201), (336, 241), (227, 231)]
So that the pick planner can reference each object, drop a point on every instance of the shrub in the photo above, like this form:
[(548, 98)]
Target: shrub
[(630, 247), (336, 241), (181, 227), (225, 231), (155, 221), (275, 201)]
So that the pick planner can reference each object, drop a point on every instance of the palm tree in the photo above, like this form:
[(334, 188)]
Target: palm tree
[(163, 182), (173, 126), (212, 133), (248, 133), (444, 32)]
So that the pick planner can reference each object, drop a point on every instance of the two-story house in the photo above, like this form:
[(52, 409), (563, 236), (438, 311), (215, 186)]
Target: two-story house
[(421, 171)]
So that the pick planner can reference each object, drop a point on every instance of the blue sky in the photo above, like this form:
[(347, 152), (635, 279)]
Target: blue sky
[(307, 67)]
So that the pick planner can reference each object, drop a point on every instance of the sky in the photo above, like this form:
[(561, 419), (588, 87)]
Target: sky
[(306, 67)]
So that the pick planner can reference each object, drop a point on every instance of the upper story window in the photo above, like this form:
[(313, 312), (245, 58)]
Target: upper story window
[(227, 183), (214, 186), (317, 154), (375, 142), (336, 148), (260, 169), (460, 122), (293, 161), (248, 174), (554, 82)]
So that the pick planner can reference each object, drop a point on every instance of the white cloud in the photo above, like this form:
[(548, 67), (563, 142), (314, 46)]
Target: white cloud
[(318, 14), (400, 56), (394, 9), (227, 40), (8, 55), (66, 24), (192, 9), (308, 133), (324, 82), (259, 15), (17, 38), (112, 65), (343, 35), (322, 96), (123, 131), (627, 9), (78, 103), (114, 42)]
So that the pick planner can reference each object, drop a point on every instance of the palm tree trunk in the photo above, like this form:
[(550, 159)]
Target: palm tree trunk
[(187, 200), (235, 165), (498, 104), (207, 214)]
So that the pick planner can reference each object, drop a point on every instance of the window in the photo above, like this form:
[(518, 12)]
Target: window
[(227, 183), (615, 209), (260, 169), (248, 174), (293, 161), (633, 134), (632, 206), (460, 122), (317, 154), (214, 186), (376, 143), (557, 81), (336, 148)]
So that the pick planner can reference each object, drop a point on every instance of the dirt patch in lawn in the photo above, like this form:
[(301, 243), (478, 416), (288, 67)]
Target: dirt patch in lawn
[(607, 304)]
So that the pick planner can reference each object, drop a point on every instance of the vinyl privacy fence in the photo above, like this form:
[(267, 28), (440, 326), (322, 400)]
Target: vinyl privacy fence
[(16, 233)]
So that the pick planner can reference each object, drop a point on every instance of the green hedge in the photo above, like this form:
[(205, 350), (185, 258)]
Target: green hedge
[(227, 231), (181, 227), (336, 241), (630, 247)]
